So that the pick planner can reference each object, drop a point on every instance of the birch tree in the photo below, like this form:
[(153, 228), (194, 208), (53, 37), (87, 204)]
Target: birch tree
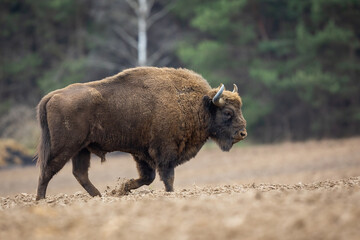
[(130, 22)]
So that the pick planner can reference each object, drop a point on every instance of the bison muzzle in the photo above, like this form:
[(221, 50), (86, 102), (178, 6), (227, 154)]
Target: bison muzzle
[(161, 116)]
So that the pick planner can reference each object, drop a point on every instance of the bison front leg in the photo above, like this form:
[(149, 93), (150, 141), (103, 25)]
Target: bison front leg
[(146, 174), (81, 164), (167, 174)]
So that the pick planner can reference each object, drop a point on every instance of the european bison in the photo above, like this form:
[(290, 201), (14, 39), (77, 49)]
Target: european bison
[(162, 116)]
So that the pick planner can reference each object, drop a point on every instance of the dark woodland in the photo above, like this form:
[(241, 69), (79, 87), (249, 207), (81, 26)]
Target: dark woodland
[(297, 63)]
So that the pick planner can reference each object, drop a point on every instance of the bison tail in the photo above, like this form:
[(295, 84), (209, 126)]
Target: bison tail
[(43, 149)]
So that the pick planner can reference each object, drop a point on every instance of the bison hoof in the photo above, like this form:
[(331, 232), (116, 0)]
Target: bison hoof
[(97, 194), (128, 186), (169, 189), (38, 198)]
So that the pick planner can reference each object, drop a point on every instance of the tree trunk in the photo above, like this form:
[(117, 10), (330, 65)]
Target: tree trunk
[(142, 34)]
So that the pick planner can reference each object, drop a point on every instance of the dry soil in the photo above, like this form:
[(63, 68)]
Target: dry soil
[(308, 190)]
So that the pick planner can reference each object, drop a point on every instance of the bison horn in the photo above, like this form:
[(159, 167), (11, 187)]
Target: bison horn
[(235, 89), (217, 100)]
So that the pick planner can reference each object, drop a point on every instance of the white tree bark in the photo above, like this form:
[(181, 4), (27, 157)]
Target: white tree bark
[(143, 14), (139, 43)]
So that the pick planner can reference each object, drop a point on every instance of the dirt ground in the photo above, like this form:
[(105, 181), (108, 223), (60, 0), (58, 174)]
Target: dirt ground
[(308, 190)]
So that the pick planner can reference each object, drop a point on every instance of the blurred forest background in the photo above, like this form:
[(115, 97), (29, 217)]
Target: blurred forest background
[(296, 62)]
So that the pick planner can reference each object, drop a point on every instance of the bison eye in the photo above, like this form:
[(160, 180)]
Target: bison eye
[(228, 114)]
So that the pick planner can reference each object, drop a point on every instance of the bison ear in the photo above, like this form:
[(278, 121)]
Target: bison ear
[(207, 101), (209, 105)]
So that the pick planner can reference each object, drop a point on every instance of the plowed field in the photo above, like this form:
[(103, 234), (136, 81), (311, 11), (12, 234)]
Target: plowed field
[(308, 190)]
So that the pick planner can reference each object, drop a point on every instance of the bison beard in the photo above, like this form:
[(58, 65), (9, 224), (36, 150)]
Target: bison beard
[(162, 116)]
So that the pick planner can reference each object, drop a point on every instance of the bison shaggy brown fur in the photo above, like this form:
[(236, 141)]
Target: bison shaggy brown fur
[(162, 116)]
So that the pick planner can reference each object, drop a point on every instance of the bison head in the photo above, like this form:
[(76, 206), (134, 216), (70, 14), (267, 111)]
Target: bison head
[(227, 124)]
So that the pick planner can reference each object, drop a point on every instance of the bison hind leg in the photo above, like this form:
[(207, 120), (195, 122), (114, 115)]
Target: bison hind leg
[(81, 164), (146, 174), (47, 171)]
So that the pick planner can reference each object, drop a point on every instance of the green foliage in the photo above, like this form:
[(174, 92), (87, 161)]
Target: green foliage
[(210, 18), (24, 66), (255, 111), (297, 62), (315, 86), (68, 72), (268, 77), (5, 106), (36, 37), (204, 58)]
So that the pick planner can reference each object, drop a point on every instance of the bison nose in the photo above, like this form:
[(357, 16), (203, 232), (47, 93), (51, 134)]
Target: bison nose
[(243, 133)]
